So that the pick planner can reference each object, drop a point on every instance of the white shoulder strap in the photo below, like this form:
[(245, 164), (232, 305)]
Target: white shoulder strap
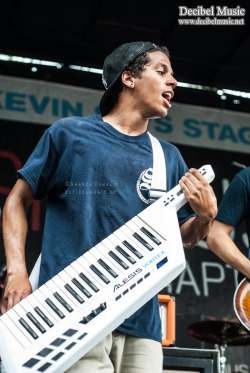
[(34, 276), (159, 182)]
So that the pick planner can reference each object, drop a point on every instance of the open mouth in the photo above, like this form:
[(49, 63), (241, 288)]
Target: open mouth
[(167, 96)]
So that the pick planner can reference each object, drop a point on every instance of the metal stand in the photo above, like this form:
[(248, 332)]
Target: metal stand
[(222, 349)]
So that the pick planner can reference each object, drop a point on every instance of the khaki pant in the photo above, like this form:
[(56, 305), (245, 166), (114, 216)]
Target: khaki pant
[(121, 353)]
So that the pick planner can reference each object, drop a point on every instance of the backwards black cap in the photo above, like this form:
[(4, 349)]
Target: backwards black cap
[(114, 65)]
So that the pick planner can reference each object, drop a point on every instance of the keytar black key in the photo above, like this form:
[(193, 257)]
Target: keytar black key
[(107, 267), (143, 242), (74, 293), (118, 260), (99, 273), (35, 322), (44, 317), (89, 282), (28, 328), (63, 301), (150, 235), (82, 288), (132, 249), (125, 254), (54, 308)]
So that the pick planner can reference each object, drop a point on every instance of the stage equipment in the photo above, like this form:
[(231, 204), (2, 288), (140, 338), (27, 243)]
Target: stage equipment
[(221, 334)]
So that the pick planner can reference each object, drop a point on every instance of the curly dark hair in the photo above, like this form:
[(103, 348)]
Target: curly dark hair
[(135, 67)]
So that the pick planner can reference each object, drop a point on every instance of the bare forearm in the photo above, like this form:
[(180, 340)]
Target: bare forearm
[(14, 235), (15, 228), (193, 231), (224, 247)]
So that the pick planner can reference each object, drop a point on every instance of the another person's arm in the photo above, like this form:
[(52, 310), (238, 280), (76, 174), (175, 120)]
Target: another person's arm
[(233, 210), (220, 242)]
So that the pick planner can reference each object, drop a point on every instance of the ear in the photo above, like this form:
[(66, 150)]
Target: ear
[(127, 79)]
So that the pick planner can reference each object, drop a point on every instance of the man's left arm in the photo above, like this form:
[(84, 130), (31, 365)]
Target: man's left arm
[(202, 200)]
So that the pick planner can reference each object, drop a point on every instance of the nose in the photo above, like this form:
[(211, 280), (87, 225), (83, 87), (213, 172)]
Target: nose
[(172, 81)]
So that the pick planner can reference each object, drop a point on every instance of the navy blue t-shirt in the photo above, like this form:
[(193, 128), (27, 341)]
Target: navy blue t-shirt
[(235, 205), (96, 179)]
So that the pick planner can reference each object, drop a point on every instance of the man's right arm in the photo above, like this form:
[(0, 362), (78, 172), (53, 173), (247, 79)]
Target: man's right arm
[(15, 228)]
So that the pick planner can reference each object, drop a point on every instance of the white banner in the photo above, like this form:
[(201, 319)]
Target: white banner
[(41, 102), (205, 127)]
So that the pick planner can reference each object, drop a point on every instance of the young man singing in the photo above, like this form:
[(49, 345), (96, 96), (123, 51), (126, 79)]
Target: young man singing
[(111, 150)]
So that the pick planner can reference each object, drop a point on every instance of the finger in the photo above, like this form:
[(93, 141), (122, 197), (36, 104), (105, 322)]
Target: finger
[(10, 303), (189, 179), (198, 175), (187, 190), (189, 182), (13, 299), (194, 181), (3, 306)]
